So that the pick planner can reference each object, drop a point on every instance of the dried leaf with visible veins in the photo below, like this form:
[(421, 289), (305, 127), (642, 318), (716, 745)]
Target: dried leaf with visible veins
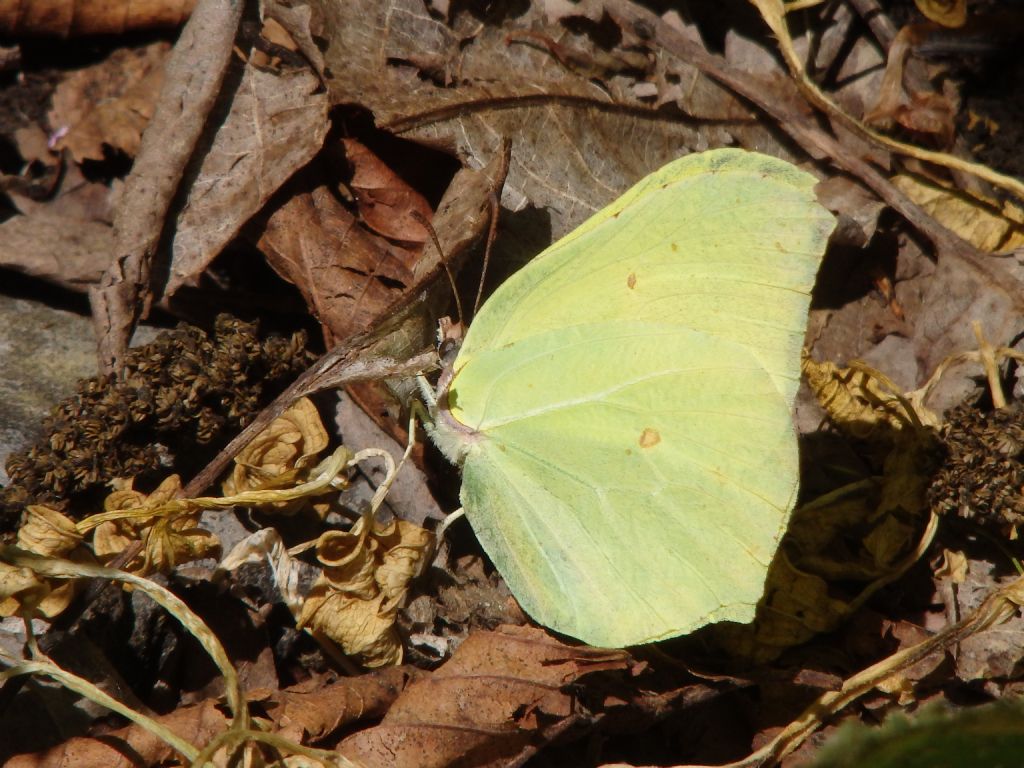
[(305, 713), (72, 18), (386, 202), (346, 274), (276, 124), (502, 693)]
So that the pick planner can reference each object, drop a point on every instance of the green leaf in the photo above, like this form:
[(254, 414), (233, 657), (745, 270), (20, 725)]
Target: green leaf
[(988, 736)]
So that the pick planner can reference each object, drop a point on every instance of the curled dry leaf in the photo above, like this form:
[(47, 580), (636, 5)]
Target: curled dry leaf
[(167, 541), (948, 13), (24, 592), (857, 399), (279, 456), (366, 574)]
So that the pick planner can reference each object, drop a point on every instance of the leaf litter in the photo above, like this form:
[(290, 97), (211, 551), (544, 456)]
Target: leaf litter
[(875, 603)]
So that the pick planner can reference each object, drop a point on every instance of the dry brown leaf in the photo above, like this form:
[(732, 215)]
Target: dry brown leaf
[(297, 20), (66, 239), (129, 747), (313, 710), (304, 713), (45, 532), (347, 275), (109, 103), (387, 204), (501, 694), (280, 455), (856, 208), (403, 330), (194, 72), (167, 542), (366, 573), (71, 18), (276, 124), (463, 85), (921, 110)]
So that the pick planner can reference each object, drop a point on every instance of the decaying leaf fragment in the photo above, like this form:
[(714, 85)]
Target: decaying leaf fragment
[(166, 540), (859, 399), (948, 13), (24, 592), (366, 573), (280, 455), (986, 224), (109, 103)]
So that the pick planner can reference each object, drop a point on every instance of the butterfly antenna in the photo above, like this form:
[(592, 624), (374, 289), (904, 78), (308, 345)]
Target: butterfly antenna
[(444, 262), (492, 232)]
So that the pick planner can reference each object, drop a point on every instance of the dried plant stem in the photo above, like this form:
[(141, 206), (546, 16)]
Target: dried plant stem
[(774, 14), (324, 475), (988, 362), (999, 606), (64, 569), (919, 396)]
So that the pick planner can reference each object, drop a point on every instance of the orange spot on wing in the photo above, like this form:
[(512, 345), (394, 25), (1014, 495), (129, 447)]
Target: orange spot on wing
[(631, 281), (649, 438)]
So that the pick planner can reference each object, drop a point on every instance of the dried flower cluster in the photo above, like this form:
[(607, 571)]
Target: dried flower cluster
[(186, 389), (983, 477)]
